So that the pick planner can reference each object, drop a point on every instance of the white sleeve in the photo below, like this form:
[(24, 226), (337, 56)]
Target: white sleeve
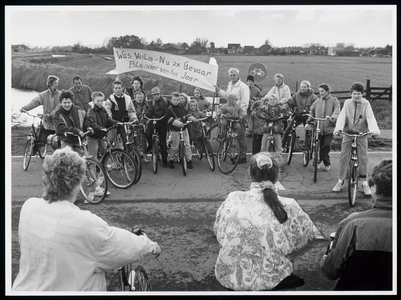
[(118, 247)]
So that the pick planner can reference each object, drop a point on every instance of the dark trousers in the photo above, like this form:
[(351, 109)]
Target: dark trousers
[(297, 120), (325, 147), (161, 130), (256, 143), (242, 140)]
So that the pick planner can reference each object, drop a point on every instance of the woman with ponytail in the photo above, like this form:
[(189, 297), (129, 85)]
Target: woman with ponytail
[(257, 229)]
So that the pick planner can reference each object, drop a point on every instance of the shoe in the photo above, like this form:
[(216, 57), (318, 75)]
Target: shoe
[(339, 186), (242, 161), (320, 165), (100, 191), (326, 168), (145, 159), (366, 189), (148, 150), (189, 164), (112, 166), (171, 164), (165, 164)]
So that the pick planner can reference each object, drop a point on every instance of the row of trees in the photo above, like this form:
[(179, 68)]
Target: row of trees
[(199, 46)]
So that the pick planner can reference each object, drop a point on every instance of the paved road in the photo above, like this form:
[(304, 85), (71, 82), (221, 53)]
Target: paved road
[(179, 212)]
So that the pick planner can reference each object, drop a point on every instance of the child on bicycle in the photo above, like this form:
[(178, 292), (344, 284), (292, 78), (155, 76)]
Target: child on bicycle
[(176, 115), (326, 105), (270, 111), (141, 107), (121, 109), (195, 129), (355, 117), (203, 104), (99, 120), (70, 118), (255, 127), (301, 102), (157, 109), (233, 111)]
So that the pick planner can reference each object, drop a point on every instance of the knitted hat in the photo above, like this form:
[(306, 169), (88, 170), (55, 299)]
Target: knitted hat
[(155, 90), (250, 78)]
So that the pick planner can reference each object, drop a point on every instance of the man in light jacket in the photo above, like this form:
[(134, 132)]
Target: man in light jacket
[(241, 89)]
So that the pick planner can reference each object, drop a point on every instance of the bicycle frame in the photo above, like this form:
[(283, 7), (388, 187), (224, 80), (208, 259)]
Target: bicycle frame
[(353, 171)]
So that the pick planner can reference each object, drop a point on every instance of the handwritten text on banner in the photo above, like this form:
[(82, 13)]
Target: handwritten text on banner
[(175, 67)]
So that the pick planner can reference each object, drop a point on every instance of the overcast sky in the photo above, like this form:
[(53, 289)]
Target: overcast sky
[(364, 26)]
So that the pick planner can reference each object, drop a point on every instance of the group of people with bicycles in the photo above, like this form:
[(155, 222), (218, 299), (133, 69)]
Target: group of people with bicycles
[(254, 249), (268, 118)]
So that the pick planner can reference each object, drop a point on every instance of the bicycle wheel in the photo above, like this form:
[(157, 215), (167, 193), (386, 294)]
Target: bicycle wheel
[(199, 150), (127, 273), (42, 149), (183, 159), (228, 155), (212, 134), (27, 153), (94, 186), (352, 184), (155, 155), (306, 157), (291, 147), (120, 168), (315, 160), (136, 155), (141, 282), (209, 153)]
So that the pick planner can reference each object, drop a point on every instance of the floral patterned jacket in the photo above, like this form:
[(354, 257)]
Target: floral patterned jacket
[(254, 244), (269, 113)]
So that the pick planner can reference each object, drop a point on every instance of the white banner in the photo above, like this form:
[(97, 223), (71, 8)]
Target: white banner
[(175, 67)]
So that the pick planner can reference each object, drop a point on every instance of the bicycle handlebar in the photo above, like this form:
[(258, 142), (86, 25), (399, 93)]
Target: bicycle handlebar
[(232, 120), (38, 115), (75, 134), (150, 119), (357, 135), (314, 118)]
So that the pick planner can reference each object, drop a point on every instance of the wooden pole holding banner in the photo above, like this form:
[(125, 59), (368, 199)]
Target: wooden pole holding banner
[(212, 61)]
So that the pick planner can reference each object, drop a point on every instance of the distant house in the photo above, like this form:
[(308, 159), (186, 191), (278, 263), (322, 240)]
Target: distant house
[(233, 48), (173, 49), (322, 50), (248, 49), (19, 48), (265, 49), (313, 50)]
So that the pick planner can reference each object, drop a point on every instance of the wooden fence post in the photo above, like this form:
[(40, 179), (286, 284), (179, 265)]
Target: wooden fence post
[(296, 86), (368, 89), (390, 93)]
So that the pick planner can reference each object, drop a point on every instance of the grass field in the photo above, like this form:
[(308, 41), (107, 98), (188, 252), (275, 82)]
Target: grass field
[(30, 70)]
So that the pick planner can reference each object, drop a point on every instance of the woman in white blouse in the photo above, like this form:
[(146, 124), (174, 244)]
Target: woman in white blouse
[(257, 229), (64, 248)]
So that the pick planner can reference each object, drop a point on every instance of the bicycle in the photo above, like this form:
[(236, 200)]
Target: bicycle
[(34, 144), (228, 148), (94, 186), (270, 139), (289, 147), (313, 145), (134, 278), (181, 149), (119, 165), (353, 167), (155, 144), (204, 146), (129, 139)]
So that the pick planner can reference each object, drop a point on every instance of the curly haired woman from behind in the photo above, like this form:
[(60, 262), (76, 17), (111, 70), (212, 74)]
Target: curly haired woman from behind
[(249, 226)]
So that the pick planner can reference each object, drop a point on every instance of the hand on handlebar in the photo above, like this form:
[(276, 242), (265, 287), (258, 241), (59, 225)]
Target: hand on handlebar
[(155, 250), (90, 129)]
